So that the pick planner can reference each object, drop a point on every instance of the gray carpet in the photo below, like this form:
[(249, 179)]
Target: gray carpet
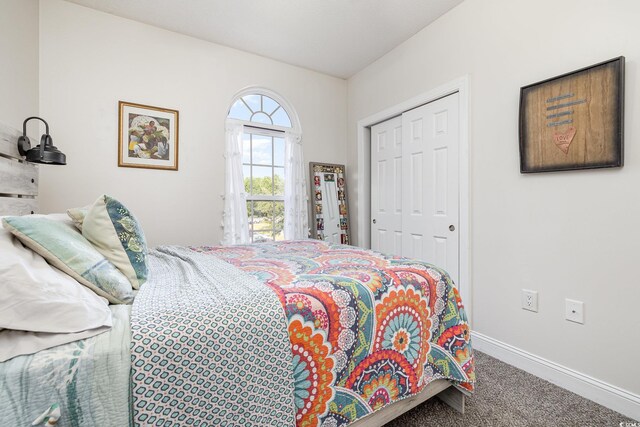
[(506, 396)]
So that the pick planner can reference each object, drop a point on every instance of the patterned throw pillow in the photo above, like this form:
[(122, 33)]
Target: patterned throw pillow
[(117, 235), (65, 248), (77, 215)]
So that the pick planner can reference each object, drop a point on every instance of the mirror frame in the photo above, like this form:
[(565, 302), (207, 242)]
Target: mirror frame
[(317, 217)]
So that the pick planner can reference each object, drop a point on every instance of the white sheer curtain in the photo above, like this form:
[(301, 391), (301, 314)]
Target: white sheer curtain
[(234, 221), (296, 221)]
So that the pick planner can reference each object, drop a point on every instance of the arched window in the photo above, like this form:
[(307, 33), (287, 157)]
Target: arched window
[(260, 109), (266, 124)]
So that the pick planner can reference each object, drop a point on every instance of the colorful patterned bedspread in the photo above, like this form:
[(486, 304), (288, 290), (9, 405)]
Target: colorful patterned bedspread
[(366, 330)]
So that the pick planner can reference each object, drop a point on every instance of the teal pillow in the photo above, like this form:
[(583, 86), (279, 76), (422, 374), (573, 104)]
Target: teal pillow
[(116, 233), (65, 248)]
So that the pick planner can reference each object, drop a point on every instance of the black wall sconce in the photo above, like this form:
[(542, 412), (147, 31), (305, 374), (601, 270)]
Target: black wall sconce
[(45, 152)]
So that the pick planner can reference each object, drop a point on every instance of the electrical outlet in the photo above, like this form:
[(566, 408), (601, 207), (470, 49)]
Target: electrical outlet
[(530, 300), (574, 311)]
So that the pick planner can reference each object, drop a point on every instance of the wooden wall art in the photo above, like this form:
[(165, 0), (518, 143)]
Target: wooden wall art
[(574, 121)]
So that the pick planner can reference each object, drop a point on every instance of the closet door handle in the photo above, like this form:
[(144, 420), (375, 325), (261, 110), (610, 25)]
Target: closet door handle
[(374, 221), (452, 227)]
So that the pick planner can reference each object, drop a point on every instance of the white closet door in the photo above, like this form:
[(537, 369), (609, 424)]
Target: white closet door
[(386, 184), (430, 187)]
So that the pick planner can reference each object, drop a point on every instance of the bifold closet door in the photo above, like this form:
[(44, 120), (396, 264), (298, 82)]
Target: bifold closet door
[(430, 187), (386, 185)]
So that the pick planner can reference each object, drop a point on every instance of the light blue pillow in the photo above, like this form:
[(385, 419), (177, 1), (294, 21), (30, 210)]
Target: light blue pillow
[(65, 248), (116, 233)]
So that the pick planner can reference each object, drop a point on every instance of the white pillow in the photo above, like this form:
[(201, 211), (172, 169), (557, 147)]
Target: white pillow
[(17, 343), (36, 297), (77, 215)]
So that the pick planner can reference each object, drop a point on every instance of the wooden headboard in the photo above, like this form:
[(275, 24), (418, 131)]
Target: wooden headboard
[(18, 179)]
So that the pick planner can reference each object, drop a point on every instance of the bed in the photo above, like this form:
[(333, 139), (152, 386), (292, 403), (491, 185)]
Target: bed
[(288, 333)]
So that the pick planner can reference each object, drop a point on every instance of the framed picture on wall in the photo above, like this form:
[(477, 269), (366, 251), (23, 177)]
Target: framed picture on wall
[(148, 137), (574, 121)]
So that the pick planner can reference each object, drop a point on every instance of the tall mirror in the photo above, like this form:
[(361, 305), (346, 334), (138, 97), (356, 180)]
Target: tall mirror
[(329, 211)]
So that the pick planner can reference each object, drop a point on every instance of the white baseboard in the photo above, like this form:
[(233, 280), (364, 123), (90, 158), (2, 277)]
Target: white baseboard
[(610, 396)]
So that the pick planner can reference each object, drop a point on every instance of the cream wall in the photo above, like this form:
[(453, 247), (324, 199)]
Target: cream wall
[(90, 60), (19, 63), (567, 235)]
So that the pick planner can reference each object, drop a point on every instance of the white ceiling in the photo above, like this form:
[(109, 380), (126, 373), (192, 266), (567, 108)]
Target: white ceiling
[(336, 37)]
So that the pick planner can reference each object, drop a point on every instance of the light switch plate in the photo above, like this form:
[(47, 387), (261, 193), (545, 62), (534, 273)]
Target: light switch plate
[(574, 311)]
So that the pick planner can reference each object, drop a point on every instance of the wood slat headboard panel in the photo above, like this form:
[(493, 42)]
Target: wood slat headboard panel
[(9, 141), (18, 179), (17, 206)]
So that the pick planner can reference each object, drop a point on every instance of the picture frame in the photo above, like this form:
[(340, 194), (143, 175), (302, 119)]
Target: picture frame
[(147, 136), (329, 210), (574, 121)]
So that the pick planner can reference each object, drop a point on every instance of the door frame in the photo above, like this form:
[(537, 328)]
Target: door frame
[(363, 225)]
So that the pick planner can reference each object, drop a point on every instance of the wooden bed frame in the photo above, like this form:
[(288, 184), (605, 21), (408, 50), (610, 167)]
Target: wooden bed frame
[(18, 179), (19, 196), (443, 389)]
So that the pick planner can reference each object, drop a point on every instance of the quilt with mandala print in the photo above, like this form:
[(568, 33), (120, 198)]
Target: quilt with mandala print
[(366, 330)]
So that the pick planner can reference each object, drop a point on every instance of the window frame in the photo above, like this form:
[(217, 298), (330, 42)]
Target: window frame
[(295, 131), (270, 115), (251, 198), (295, 128)]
